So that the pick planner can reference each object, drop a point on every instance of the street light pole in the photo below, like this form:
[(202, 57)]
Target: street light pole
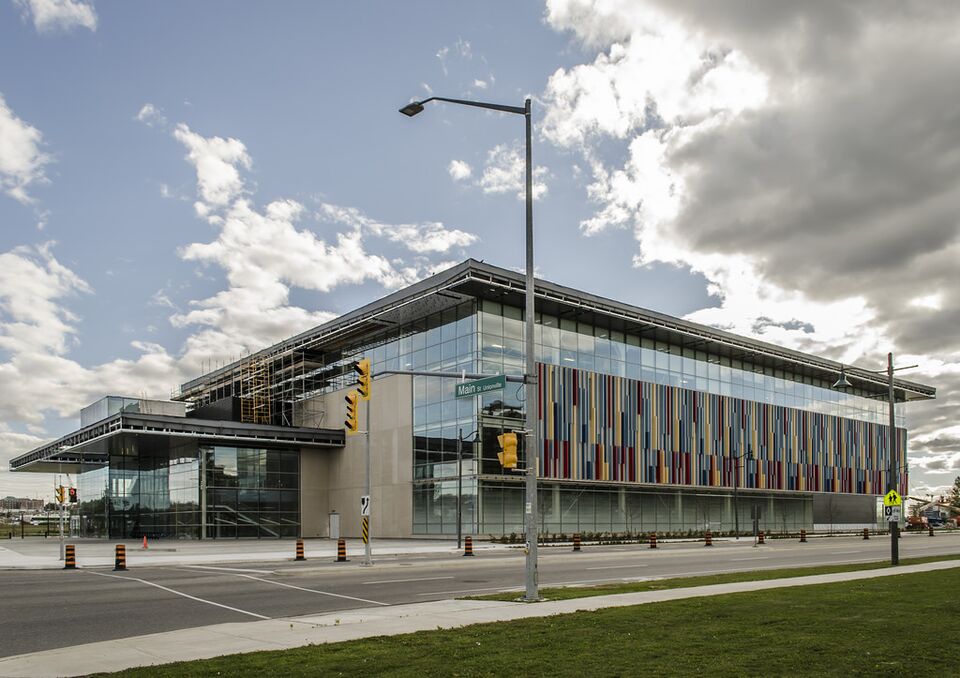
[(532, 446), (892, 471), (532, 449), (459, 487), (736, 504), (460, 483)]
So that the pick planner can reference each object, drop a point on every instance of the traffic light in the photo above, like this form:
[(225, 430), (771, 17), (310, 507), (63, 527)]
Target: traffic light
[(352, 422), (72, 493), (59, 493), (508, 445), (362, 368)]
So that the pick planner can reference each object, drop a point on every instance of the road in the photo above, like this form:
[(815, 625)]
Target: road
[(57, 608)]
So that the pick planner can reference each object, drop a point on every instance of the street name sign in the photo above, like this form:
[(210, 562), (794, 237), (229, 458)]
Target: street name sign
[(892, 498), (468, 389)]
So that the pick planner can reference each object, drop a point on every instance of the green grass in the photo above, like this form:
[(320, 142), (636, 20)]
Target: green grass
[(566, 592), (871, 627)]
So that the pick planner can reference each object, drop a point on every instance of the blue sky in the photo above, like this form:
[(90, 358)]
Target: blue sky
[(723, 166)]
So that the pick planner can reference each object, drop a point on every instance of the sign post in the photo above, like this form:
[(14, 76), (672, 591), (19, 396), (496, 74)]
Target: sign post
[(893, 507)]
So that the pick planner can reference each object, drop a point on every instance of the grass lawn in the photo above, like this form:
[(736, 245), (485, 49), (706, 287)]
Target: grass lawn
[(871, 627), (566, 592)]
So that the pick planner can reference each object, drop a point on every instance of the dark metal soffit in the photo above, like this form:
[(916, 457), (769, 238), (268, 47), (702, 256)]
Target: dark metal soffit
[(70, 448)]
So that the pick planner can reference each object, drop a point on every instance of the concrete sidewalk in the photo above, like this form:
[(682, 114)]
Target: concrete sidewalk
[(284, 633), (45, 554)]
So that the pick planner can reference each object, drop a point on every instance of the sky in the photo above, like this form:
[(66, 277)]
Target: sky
[(182, 183)]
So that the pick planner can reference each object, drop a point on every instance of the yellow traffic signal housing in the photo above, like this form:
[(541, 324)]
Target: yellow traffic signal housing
[(59, 493), (364, 377), (352, 422), (508, 445)]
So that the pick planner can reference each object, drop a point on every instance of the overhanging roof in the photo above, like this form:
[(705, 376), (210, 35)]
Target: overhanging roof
[(476, 279), (91, 445)]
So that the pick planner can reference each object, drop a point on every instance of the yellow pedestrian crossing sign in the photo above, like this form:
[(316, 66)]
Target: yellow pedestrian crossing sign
[(892, 498)]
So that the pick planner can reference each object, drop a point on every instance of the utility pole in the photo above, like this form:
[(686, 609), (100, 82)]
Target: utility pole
[(367, 550), (459, 486), (892, 471)]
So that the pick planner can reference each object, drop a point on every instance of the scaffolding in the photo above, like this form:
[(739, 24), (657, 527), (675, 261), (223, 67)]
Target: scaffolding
[(256, 406)]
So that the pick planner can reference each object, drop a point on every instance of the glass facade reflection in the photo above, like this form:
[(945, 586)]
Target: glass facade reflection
[(164, 488), (251, 492)]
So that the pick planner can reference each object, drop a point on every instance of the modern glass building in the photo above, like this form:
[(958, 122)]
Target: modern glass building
[(647, 422)]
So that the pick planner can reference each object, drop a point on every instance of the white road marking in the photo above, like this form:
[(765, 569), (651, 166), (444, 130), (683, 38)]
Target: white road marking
[(619, 567), (185, 595), (226, 569), (402, 581), (300, 588), (735, 560), (839, 553)]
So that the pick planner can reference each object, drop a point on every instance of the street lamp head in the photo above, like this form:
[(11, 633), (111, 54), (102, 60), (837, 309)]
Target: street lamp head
[(412, 108), (842, 381)]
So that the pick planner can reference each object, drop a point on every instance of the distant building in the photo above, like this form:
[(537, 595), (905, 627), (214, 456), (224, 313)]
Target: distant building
[(21, 504), (646, 422)]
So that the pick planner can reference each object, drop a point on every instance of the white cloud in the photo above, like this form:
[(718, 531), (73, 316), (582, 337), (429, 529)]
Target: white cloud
[(504, 173), (265, 253), (461, 48), (459, 170), (37, 331), (216, 160), (480, 84), (21, 160), (419, 238), (150, 115), (63, 15)]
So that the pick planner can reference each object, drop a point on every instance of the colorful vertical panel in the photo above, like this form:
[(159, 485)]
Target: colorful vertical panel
[(600, 427)]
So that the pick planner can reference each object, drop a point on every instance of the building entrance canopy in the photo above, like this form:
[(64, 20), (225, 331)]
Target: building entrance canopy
[(92, 446)]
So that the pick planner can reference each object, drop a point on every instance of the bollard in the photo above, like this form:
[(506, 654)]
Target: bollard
[(653, 540), (931, 531), (70, 557), (760, 537), (120, 558), (300, 555), (708, 539), (576, 542), (341, 551), (468, 546), (866, 533), (803, 536)]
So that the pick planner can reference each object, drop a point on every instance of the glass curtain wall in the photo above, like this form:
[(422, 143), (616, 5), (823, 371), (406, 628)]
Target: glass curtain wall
[(566, 509), (152, 488), (251, 492)]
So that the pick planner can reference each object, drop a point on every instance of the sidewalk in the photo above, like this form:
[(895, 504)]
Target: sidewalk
[(45, 554), (284, 633)]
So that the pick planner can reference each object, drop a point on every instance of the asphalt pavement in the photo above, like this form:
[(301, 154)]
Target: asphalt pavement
[(204, 642), (46, 609)]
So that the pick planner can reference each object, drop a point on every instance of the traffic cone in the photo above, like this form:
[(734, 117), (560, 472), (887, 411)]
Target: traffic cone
[(144, 541)]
